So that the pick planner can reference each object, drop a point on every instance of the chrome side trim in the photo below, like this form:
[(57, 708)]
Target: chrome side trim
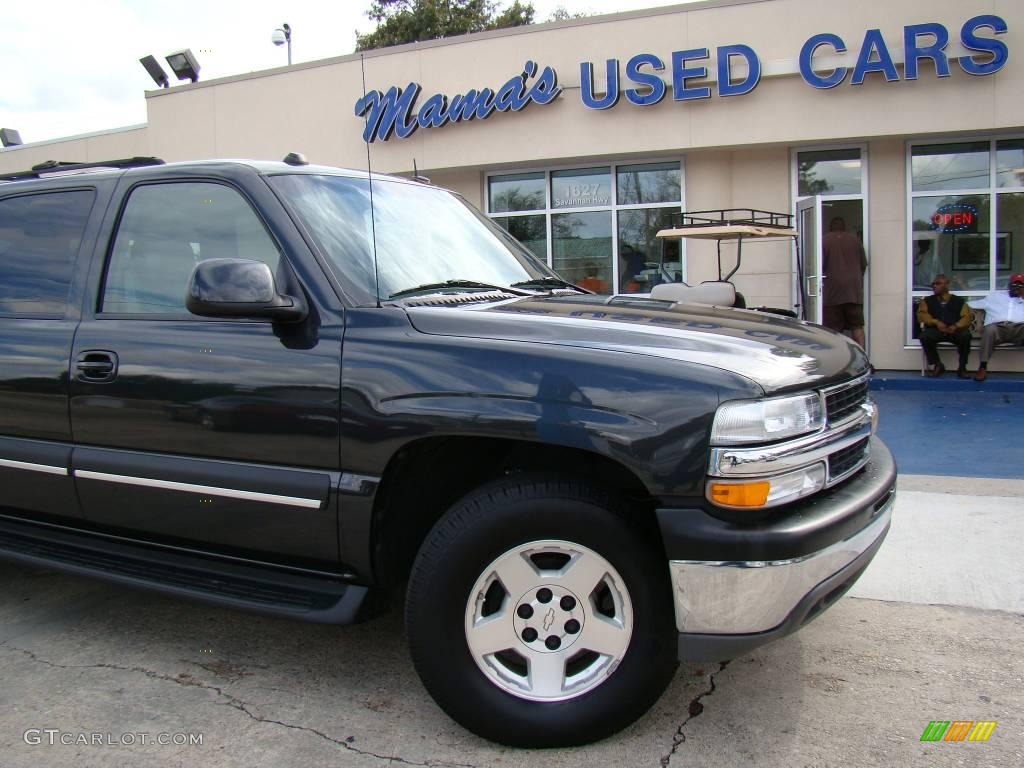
[(774, 459), (747, 597), (46, 468), (209, 490)]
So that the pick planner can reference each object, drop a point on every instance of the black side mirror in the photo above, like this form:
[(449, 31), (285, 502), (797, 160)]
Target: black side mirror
[(240, 288)]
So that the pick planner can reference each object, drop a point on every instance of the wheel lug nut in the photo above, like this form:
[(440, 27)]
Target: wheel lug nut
[(529, 634), (567, 603), (572, 627), (544, 595), (552, 643), (524, 611)]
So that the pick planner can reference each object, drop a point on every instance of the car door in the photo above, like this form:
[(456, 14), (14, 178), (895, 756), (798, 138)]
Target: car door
[(42, 230), (216, 433)]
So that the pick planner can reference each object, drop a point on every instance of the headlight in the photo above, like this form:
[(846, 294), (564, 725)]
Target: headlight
[(764, 421), (768, 491)]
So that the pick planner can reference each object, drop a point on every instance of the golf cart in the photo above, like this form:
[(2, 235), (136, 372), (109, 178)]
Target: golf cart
[(725, 224)]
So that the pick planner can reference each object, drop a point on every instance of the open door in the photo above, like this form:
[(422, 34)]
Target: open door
[(808, 217)]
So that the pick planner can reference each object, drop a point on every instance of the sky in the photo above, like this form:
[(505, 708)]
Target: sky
[(71, 67)]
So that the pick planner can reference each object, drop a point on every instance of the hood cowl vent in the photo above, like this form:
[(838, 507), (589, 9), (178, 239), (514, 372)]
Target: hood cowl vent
[(455, 299)]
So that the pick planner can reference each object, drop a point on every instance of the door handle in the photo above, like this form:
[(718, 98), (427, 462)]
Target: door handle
[(808, 280), (96, 366)]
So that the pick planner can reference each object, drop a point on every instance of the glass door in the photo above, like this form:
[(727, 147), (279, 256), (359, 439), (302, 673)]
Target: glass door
[(808, 215)]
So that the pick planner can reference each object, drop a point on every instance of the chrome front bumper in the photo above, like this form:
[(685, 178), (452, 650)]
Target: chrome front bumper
[(758, 597)]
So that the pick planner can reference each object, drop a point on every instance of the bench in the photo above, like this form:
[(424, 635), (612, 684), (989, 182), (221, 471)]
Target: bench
[(977, 325)]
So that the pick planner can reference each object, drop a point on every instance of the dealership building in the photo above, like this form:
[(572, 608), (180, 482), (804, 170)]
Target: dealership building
[(903, 118)]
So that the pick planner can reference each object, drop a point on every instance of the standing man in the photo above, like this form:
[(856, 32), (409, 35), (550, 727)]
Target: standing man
[(844, 264), (1004, 320), (944, 317)]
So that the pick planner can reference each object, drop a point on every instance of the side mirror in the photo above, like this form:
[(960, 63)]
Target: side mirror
[(240, 288)]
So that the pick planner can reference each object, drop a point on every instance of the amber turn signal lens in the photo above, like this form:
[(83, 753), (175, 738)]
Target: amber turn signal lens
[(741, 494)]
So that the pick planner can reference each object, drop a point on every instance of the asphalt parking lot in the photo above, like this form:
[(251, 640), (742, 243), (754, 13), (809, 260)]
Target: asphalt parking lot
[(857, 687)]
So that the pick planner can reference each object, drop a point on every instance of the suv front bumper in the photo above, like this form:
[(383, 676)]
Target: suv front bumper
[(774, 577)]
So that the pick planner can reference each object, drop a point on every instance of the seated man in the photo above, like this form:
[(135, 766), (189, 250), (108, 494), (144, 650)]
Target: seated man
[(944, 317), (1004, 320)]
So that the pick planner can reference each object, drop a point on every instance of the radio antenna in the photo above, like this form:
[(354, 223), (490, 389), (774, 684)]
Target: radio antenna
[(369, 178)]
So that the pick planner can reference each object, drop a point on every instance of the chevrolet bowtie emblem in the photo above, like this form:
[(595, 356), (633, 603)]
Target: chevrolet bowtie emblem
[(549, 619)]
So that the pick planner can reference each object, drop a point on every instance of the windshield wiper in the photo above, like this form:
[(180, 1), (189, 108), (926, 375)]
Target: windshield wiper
[(547, 282), (469, 285)]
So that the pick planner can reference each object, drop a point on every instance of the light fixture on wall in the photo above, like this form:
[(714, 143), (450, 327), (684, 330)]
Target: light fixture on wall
[(10, 137), (282, 35), (184, 65), (155, 71)]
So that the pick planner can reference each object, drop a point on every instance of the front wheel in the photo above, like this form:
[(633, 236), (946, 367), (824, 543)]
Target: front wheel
[(538, 615)]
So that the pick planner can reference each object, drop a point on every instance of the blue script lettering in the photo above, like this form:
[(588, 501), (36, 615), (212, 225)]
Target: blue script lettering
[(394, 112)]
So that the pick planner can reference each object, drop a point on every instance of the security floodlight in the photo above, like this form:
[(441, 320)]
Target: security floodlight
[(282, 35), (9, 137), (184, 65), (155, 71)]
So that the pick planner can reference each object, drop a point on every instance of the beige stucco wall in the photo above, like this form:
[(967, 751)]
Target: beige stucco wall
[(736, 150), (124, 142)]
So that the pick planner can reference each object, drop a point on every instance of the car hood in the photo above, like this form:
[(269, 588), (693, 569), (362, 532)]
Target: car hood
[(777, 353)]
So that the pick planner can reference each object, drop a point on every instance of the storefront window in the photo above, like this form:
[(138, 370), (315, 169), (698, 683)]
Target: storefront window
[(951, 237), (829, 172), (581, 188), (640, 251), (516, 192), (1010, 163), (1009, 236), (976, 238), (581, 247), (595, 226), (650, 183), (531, 231), (950, 166)]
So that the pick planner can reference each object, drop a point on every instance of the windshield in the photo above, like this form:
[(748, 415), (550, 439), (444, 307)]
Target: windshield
[(424, 235)]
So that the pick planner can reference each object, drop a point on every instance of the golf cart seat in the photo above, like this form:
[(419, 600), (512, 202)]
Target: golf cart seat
[(719, 293)]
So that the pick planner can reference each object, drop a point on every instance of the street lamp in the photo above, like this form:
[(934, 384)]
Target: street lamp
[(183, 64), (282, 35), (155, 71), (10, 137)]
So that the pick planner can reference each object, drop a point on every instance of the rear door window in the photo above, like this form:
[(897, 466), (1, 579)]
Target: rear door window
[(39, 240), (165, 230)]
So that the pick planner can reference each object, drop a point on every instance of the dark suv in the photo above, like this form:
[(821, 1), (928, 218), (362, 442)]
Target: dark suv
[(296, 389)]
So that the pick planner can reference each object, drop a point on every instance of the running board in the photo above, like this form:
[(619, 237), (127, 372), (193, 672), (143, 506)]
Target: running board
[(321, 599)]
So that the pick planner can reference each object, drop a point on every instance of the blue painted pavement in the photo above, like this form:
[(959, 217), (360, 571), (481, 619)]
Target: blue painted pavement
[(952, 427)]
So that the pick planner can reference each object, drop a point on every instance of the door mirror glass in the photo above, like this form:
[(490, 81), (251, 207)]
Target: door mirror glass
[(239, 288)]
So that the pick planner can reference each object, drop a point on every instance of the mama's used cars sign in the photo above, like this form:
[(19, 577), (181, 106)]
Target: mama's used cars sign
[(398, 111)]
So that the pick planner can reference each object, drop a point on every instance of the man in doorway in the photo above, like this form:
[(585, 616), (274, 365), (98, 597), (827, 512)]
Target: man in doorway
[(1004, 320), (944, 317), (844, 264)]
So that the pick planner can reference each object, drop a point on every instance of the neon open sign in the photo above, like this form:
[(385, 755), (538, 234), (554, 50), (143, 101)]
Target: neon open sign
[(955, 217)]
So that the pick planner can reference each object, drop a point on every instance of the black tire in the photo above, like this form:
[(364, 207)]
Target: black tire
[(485, 526)]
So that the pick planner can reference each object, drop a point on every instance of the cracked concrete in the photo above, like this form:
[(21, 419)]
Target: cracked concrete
[(695, 708)]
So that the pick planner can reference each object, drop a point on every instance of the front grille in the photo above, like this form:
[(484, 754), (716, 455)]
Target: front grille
[(844, 400), (844, 461)]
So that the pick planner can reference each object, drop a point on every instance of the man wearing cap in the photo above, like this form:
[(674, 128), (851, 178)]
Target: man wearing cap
[(1004, 320), (944, 317)]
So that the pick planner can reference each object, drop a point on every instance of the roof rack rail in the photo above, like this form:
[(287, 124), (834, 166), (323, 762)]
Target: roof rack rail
[(719, 217), (62, 166)]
